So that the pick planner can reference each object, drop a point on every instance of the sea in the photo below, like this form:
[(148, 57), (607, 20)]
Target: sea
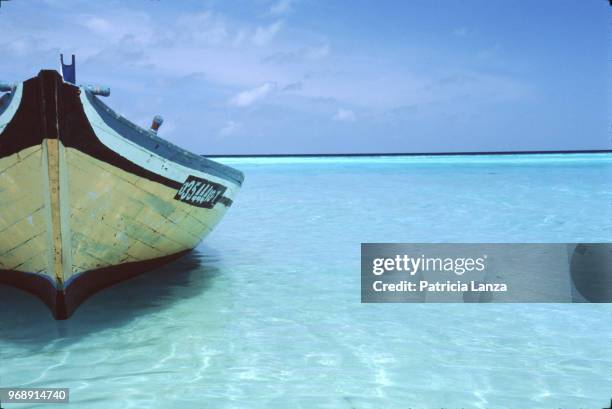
[(266, 312)]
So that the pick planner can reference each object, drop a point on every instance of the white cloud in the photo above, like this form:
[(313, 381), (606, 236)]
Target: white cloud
[(230, 128), (263, 35), (489, 53), (203, 28), (21, 45), (219, 48), (282, 7), (316, 53), (460, 32), (118, 26), (99, 25), (239, 38), (249, 97), (344, 115), (313, 53)]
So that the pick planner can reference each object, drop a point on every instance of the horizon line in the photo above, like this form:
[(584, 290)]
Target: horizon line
[(472, 153)]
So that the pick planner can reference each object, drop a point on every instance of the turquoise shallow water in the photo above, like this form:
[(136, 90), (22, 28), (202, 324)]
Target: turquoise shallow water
[(267, 313)]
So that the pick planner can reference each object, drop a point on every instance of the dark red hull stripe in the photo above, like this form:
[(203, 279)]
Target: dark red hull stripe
[(63, 303)]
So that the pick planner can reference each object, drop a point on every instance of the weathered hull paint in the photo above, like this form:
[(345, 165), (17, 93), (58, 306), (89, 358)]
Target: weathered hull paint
[(88, 199)]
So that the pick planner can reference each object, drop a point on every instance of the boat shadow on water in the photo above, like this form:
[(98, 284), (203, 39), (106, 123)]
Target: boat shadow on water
[(26, 320)]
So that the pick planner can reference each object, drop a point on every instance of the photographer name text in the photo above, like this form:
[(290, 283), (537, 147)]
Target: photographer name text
[(421, 264)]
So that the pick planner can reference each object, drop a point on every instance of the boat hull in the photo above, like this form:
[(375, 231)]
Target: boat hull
[(87, 199)]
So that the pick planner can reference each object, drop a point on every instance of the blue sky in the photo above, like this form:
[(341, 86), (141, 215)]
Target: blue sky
[(306, 76)]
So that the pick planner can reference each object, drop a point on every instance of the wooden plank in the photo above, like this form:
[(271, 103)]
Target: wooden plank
[(23, 244), (52, 151)]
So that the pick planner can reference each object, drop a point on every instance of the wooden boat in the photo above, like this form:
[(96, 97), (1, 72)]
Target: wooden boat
[(89, 199)]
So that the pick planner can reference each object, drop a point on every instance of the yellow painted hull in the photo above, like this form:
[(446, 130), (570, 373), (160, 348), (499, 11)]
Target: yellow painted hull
[(77, 217)]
